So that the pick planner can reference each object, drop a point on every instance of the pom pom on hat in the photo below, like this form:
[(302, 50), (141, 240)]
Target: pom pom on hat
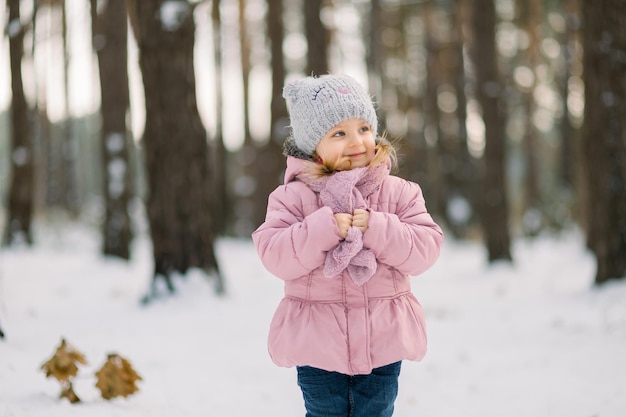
[(316, 104)]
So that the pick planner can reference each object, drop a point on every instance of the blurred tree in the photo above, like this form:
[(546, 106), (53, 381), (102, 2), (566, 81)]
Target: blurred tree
[(494, 210), (109, 41), (604, 134), (222, 201), (530, 18), (374, 44), (246, 182), (175, 141), (21, 187), (415, 152), (437, 179), (48, 160), (246, 67), (69, 145), (50, 167), (567, 131), (463, 201), (271, 162), (318, 38)]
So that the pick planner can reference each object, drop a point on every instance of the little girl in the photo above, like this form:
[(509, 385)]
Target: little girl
[(345, 236)]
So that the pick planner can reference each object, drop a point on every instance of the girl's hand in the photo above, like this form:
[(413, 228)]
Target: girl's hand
[(361, 219), (344, 221)]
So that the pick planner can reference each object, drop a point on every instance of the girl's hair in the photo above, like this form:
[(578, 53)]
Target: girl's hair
[(384, 151)]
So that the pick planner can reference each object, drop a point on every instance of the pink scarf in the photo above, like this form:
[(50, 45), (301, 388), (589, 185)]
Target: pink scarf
[(343, 192)]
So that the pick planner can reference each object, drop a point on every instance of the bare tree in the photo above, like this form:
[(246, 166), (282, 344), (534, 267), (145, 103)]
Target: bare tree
[(222, 201), (245, 180), (604, 135), (109, 40), (494, 213), (569, 135), (317, 37), (530, 18), (374, 45), (21, 186), (432, 125), (246, 67), (272, 164), (175, 141), (463, 201), (69, 145)]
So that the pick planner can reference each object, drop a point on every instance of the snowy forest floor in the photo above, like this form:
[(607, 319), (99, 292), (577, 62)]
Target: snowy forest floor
[(531, 339)]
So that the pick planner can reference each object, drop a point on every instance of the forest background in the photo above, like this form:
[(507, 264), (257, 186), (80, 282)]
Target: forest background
[(510, 114)]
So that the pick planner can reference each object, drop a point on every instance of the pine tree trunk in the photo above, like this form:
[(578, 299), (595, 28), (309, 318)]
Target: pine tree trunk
[(568, 134), (272, 162), (21, 187), (530, 16), (432, 126), (109, 40), (317, 38), (465, 206), (494, 213), (71, 199), (604, 133), (246, 159), (175, 141), (222, 206)]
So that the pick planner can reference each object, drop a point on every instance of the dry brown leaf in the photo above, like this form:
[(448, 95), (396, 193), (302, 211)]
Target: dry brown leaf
[(116, 378), (68, 392), (63, 364)]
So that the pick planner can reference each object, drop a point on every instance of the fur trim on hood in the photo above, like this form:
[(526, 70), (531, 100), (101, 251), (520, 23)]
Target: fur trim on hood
[(290, 149)]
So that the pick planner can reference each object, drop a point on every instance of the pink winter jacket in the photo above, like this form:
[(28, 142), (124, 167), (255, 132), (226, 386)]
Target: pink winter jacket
[(331, 323)]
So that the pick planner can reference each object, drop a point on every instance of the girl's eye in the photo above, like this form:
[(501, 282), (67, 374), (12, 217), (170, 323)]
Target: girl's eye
[(339, 133), (365, 129)]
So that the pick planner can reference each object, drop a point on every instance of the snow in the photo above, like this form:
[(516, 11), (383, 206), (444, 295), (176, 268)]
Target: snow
[(117, 170), (173, 13), (14, 28), (532, 339), (20, 156), (115, 142)]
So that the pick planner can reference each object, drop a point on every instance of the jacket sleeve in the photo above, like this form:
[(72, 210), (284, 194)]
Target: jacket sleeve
[(406, 237), (291, 243)]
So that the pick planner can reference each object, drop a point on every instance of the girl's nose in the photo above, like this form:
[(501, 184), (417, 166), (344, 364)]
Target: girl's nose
[(355, 139)]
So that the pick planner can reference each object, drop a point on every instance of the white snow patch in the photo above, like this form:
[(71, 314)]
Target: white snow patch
[(532, 339), (173, 13), (115, 142)]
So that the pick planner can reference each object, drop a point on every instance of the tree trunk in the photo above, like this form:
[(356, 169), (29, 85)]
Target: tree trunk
[(246, 67), (432, 121), (317, 38), (21, 187), (109, 40), (604, 135), (494, 213), (222, 206), (533, 217), (179, 206), (71, 200), (272, 165), (246, 182), (464, 202), (374, 44), (568, 133), (416, 164)]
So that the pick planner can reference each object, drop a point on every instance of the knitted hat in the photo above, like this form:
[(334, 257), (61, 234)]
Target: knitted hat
[(316, 104)]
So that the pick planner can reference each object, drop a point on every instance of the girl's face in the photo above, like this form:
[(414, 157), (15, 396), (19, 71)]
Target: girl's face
[(349, 144)]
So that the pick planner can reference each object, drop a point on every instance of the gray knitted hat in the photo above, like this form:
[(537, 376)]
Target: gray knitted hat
[(316, 104)]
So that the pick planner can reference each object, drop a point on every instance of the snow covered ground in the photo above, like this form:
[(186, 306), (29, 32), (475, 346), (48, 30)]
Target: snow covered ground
[(534, 339)]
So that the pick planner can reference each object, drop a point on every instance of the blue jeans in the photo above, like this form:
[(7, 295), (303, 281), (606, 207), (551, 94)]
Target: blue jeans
[(331, 394)]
